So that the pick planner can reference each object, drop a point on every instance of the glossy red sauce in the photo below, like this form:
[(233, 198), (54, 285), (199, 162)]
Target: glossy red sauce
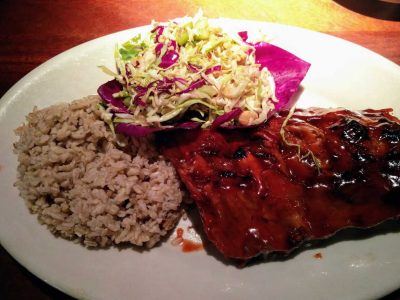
[(179, 232), (186, 245), (318, 255), (256, 194), (190, 246)]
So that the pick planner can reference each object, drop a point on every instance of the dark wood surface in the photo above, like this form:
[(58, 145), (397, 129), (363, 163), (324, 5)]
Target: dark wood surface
[(31, 32)]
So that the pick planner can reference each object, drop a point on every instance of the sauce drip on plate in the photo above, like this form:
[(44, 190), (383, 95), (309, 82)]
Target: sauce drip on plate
[(186, 244)]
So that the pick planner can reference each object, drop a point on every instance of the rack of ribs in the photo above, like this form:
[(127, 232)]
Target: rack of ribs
[(271, 188)]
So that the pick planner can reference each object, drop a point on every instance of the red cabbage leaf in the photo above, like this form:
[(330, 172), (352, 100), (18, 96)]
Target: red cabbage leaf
[(287, 70), (141, 131), (159, 31), (168, 59), (106, 92), (226, 117), (243, 35), (193, 68), (194, 85), (213, 69), (134, 130)]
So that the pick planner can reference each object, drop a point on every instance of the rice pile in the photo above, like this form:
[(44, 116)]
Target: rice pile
[(87, 187)]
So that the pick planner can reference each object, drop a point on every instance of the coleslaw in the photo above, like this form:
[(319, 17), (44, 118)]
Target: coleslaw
[(189, 72)]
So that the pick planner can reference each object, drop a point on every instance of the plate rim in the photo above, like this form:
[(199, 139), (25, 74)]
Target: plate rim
[(12, 93)]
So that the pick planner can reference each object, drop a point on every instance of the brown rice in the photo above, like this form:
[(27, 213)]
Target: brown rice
[(85, 186)]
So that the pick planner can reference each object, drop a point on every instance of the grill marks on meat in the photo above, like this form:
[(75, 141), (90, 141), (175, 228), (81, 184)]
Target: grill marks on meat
[(256, 195)]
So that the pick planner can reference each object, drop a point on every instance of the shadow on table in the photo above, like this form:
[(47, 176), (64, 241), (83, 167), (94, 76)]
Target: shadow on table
[(373, 8), (18, 283)]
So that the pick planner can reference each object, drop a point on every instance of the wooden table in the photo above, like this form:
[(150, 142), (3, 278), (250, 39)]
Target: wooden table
[(31, 32)]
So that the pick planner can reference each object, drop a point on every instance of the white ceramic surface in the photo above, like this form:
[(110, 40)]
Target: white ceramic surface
[(342, 74)]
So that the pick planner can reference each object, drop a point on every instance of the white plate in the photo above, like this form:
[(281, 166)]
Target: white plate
[(342, 74)]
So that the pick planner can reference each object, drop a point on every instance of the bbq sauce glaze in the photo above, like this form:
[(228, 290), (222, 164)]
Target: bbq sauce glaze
[(257, 193)]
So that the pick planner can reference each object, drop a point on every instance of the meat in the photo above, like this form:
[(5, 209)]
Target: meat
[(273, 187)]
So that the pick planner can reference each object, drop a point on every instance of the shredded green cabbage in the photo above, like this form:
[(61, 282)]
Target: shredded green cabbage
[(301, 156)]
